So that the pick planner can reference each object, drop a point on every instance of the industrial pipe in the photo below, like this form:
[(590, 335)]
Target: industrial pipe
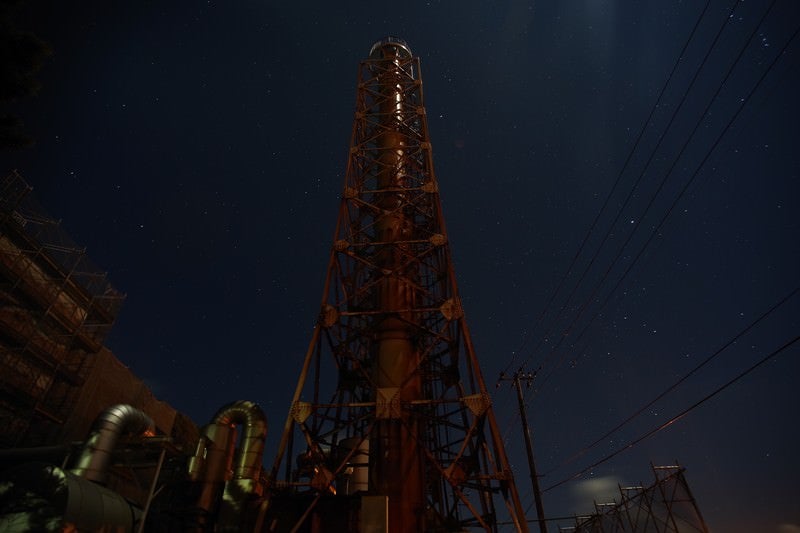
[(254, 425), (42, 497), (218, 464), (93, 461), (75, 499)]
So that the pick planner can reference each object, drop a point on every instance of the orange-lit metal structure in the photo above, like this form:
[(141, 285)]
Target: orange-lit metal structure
[(391, 427), (391, 405), (56, 308)]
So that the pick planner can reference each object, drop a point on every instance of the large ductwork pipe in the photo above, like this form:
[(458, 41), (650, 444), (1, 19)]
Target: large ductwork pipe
[(217, 463), (254, 427), (118, 420), (42, 497)]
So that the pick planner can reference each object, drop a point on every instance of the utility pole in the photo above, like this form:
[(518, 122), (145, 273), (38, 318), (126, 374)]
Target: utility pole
[(517, 379)]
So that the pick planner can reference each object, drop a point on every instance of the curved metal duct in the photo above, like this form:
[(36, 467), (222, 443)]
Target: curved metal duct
[(93, 461), (254, 426), (42, 497), (216, 461)]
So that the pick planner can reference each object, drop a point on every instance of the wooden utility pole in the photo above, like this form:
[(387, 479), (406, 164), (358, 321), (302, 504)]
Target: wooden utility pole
[(517, 379)]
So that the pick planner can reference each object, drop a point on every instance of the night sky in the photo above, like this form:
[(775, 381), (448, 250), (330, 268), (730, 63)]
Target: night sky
[(197, 149)]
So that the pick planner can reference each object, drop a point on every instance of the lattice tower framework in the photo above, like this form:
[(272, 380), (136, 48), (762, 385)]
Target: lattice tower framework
[(390, 388)]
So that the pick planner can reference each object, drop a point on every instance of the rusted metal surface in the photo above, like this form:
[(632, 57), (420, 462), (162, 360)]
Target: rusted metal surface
[(397, 465), (390, 362)]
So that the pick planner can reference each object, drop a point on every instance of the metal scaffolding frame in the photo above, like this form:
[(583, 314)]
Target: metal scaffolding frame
[(666, 506), (56, 308), (390, 388)]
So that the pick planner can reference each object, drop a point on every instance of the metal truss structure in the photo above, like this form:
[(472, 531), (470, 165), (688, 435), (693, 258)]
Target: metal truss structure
[(56, 308), (666, 506), (391, 403)]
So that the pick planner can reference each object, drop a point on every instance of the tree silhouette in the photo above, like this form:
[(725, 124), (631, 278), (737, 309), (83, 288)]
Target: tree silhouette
[(21, 56)]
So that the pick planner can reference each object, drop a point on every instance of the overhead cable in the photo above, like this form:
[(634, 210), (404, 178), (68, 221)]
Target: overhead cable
[(677, 383), (677, 158), (690, 181), (677, 417), (655, 106)]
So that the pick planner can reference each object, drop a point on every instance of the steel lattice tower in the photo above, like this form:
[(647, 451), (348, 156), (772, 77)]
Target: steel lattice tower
[(391, 403)]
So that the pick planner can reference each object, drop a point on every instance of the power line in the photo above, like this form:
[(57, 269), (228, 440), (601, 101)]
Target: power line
[(744, 101), (664, 180), (644, 126), (603, 207), (690, 181), (655, 231), (679, 382), (677, 417), (633, 189), (613, 188)]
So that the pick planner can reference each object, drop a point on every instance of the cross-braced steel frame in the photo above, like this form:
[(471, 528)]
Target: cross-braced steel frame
[(667, 506), (390, 388)]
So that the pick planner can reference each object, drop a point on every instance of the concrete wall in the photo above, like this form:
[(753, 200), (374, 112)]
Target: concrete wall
[(110, 382)]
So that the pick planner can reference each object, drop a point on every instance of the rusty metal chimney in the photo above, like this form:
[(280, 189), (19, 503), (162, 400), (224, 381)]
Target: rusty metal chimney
[(390, 377)]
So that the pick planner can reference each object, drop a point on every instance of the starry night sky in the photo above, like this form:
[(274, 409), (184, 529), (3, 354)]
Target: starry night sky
[(197, 149)]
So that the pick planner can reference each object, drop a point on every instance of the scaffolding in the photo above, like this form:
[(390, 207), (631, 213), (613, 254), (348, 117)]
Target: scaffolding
[(56, 308), (666, 506)]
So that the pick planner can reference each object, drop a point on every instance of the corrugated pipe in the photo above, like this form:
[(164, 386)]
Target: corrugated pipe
[(121, 419)]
